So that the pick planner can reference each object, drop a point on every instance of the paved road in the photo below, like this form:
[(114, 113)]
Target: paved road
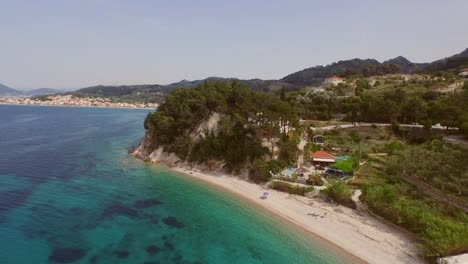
[(369, 125)]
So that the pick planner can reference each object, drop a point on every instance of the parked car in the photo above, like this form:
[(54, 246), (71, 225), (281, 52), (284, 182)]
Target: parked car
[(331, 172)]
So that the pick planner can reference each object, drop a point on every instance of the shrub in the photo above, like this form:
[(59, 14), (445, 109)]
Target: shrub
[(340, 193), (393, 146), (345, 165), (289, 188), (315, 179)]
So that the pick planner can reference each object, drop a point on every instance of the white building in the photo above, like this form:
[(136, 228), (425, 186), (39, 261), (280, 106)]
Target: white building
[(464, 73), (334, 80)]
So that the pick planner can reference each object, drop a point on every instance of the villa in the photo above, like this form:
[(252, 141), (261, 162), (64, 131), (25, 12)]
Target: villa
[(334, 80), (322, 159), (464, 73)]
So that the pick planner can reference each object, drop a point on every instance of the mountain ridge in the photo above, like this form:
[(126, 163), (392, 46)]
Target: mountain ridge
[(8, 91), (369, 67), (309, 76)]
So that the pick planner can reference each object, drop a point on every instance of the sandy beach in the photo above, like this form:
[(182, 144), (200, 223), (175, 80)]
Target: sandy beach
[(357, 233)]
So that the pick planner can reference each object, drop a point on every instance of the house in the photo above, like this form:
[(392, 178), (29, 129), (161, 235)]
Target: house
[(322, 159), (334, 80), (464, 73), (318, 139)]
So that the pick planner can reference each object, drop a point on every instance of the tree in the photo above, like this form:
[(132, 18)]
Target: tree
[(357, 139), (330, 101), (283, 93)]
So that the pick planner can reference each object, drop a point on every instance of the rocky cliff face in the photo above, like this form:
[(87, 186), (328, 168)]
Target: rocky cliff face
[(147, 152)]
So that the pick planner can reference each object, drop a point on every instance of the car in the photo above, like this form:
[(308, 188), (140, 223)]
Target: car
[(332, 172)]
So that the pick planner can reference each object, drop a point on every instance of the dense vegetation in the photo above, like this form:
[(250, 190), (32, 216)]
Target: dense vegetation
[(246, 116), (399, 101), (340, 193), (443, 167), (420, 187), (441, 234), (422, 203)]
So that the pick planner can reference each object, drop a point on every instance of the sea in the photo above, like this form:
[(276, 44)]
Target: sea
[(70, 192)]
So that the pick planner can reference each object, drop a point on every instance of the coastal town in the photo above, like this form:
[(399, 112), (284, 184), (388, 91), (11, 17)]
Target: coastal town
[(70, 100)]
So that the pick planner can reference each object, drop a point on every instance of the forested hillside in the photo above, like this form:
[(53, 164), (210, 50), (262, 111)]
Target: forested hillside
[(370, 67), (246, 116)]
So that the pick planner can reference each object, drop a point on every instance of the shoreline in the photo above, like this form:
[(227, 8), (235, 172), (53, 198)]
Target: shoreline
[(82, 106), (339, 251), (357, 237)]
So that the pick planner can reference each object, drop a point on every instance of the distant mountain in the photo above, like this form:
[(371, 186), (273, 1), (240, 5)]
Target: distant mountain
[(155, 92), (459, 60), (137, 93), (42, 91), (405, 65), (370, 67), (316, 75), (256, 84), (6, 91)]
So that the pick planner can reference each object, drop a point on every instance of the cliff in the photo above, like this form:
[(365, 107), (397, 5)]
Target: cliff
[(217, 126)]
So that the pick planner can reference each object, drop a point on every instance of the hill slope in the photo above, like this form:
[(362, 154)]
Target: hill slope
[(156, 92), (42, 91), (317, 74), (370, 67), (6, 91), (459, 60), (214, 122)]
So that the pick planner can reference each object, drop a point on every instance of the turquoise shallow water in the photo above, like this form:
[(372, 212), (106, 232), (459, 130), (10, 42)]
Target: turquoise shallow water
[(70, 193)]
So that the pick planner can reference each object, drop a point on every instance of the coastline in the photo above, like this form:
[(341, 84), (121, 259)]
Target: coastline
[(81, 106), (357, 237)]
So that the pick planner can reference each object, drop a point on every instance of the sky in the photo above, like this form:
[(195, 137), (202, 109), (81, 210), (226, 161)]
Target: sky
[(72, 44)]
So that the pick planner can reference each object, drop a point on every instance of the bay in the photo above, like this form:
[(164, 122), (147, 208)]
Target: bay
[(71, 193)]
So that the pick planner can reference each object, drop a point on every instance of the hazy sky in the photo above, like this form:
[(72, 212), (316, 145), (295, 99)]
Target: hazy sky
[(67, 44)]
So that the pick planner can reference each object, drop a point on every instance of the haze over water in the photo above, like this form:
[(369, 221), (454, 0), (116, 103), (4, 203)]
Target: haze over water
[(70, 193)]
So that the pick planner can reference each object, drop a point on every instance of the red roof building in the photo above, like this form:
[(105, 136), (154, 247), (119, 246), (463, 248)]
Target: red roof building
[(322, 159)]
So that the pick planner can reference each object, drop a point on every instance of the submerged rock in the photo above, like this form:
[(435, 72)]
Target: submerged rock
[(13, 199), (123, 254), (120, 209), (173, 222), (66, 255), (152, 250), (168, 246), (146, 203)]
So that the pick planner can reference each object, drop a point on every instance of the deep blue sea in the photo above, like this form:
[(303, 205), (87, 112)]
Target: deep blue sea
[(71, 193)]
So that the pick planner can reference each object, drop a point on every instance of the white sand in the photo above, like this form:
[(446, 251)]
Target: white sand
[(356, 233)]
